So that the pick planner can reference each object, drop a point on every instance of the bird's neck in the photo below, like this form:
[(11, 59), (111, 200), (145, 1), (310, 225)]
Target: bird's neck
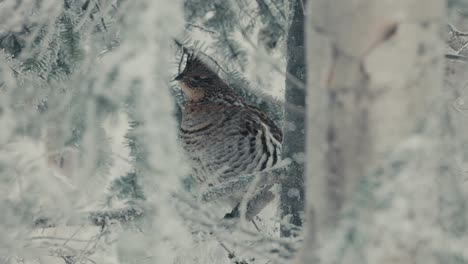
[(227, 99), (200, 115)]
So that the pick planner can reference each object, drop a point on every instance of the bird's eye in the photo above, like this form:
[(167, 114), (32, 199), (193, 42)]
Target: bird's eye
[(196, 80), (200, 78)]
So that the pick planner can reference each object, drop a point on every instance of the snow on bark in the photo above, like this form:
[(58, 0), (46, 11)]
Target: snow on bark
[(379, 172)]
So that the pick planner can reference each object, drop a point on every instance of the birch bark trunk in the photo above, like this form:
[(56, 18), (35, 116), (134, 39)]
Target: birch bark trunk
[(380, 183)]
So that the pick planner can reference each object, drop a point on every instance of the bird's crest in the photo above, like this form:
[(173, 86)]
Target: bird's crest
[(201, 82), (197, 63)]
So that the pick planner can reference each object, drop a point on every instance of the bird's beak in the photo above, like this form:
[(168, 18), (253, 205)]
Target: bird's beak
[(178, 77)]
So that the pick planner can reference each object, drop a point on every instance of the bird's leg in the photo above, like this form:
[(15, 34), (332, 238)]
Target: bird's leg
[(235, 214), (254, 206), (258, 202)]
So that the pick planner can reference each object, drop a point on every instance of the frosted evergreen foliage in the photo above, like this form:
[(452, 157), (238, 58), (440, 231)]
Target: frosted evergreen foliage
[(247, 39), (68, 71), (90, 167)]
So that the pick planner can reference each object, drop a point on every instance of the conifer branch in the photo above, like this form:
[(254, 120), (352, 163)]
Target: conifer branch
[(97, 218)]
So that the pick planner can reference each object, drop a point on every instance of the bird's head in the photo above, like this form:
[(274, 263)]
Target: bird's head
[(200, 82)]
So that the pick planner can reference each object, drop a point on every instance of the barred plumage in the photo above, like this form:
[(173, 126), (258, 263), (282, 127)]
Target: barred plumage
[(222, 135)]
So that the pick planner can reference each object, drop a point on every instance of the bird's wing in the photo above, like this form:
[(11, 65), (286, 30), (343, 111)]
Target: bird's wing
[(254, 118), (265, 136)]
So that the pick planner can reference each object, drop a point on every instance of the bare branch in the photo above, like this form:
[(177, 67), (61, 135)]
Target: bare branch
[(456, 57), (457, 40), (201, 28)]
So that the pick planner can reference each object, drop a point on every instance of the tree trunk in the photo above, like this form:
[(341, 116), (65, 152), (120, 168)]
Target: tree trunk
[(378, 173), (292, 190)]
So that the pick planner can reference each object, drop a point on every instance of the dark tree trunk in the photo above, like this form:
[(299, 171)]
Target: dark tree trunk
[(292, 191)]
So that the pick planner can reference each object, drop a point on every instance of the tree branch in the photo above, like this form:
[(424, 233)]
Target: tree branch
[(242, 183), (97, 218), (457, 41)]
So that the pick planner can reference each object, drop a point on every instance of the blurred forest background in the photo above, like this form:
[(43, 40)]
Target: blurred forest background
[(370, 96)]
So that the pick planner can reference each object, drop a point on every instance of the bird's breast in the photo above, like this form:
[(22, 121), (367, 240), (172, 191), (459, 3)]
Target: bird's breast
[(220, 148)]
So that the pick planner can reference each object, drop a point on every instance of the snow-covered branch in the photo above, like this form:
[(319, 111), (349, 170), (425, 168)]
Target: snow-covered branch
[(241, 184), (98, 218)]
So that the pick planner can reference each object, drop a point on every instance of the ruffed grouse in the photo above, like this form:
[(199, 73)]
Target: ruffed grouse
[(223, 136)]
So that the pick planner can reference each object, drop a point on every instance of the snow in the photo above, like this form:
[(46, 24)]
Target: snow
[(51, 185)]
